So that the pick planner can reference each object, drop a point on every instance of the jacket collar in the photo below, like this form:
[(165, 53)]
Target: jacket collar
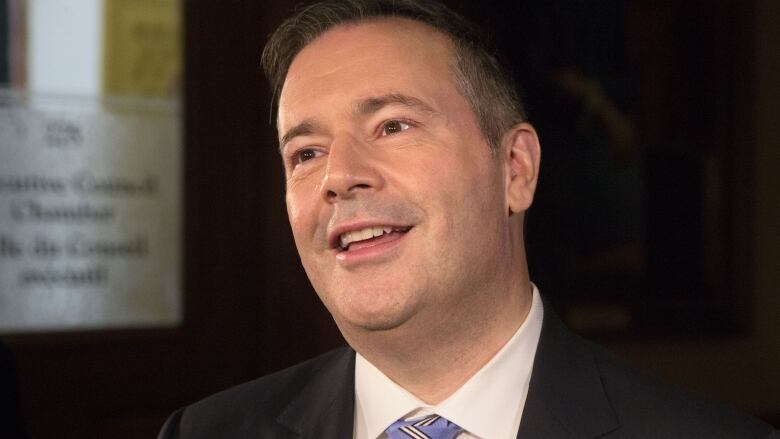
[(566, 398), (325, 405)]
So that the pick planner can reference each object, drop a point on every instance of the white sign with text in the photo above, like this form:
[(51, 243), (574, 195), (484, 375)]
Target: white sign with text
[(90, 213)]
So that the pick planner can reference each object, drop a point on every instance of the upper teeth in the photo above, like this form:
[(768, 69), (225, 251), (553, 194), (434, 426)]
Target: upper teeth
[(359, 235)]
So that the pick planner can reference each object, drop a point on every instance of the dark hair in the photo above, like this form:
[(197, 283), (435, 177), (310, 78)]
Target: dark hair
[(489, 89)]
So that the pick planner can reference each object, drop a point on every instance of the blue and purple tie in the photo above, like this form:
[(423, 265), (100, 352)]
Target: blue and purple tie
[(428, 427)]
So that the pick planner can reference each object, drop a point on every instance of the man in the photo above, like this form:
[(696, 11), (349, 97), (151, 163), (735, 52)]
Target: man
[(409, 169)]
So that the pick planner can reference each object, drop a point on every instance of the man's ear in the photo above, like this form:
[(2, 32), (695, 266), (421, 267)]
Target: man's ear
[(521, 154)]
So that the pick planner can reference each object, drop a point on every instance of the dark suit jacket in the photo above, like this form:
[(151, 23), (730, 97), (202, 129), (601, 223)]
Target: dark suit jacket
[(577, 391), (10, 414)]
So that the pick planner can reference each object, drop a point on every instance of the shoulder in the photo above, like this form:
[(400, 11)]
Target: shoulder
[(643, 404), (252, 406), (584, 388)]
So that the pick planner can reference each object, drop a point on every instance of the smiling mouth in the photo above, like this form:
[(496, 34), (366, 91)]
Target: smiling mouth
[(369, 236)]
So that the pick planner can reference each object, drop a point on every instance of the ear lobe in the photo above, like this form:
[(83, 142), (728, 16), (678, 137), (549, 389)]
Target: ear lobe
[(522, 155)]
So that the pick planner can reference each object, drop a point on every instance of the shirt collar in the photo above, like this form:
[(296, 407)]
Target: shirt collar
[(378, 401), (488, 405)]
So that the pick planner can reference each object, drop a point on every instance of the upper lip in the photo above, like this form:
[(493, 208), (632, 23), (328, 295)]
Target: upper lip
[(335, 232)]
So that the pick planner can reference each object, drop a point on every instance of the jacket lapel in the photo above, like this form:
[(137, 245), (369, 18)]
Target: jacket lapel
[(325, 406), (566, 398)]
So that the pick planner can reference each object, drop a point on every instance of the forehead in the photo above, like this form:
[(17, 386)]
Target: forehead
[(367, 58)]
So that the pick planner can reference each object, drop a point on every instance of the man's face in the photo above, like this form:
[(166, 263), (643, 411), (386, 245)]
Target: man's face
[(397, 206)]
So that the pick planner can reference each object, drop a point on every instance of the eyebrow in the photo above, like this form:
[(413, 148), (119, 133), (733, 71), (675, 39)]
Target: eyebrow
[(363, 107), (308, 126), (373, 104)]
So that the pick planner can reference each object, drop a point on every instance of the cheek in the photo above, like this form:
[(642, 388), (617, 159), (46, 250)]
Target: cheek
[(301, 190), (472, 199), (301, 214)]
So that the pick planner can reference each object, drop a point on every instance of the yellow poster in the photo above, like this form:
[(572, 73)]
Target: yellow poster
[(142, 47)]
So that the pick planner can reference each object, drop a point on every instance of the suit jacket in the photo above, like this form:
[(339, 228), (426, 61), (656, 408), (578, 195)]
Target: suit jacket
[(577, 391), (10, 415)]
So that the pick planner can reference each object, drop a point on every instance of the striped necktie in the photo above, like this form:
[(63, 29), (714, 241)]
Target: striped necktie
[(428, 427)]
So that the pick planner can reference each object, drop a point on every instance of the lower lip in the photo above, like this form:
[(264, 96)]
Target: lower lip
[(372, 253)]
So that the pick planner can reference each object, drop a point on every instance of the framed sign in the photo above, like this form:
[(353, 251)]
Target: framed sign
[(90, 166)]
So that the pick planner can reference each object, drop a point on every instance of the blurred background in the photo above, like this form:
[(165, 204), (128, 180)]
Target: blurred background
[(145, 256)]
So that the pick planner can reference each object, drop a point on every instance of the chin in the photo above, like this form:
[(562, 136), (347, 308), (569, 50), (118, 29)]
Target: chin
[(381, 325), (372, 320), (370, 303)]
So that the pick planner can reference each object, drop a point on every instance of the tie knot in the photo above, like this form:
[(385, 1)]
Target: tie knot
[(427, 427)]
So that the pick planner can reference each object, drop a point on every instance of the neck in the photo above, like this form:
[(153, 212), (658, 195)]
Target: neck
[(454, 351)]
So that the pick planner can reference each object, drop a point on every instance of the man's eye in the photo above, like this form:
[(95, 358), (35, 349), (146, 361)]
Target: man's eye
[(393, 127), (303, 155), (306, 154)]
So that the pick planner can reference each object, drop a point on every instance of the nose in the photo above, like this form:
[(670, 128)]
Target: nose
[(350, 170)]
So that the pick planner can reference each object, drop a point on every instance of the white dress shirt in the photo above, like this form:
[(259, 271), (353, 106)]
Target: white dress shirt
[(488, 406)]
